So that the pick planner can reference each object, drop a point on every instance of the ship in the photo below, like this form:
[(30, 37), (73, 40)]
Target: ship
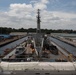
[(37, 55)]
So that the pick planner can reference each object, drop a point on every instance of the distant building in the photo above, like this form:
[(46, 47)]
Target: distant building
[(18, 33), (4, 36)]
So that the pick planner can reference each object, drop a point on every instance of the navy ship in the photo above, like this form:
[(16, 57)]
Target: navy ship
[(37, 55)]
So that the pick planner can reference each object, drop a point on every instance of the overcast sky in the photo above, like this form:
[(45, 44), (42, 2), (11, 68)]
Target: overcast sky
[(55, 14)]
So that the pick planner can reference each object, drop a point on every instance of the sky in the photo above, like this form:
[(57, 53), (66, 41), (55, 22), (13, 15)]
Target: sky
[(55, 14)]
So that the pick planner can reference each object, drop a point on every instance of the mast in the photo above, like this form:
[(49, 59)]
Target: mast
[(38, 21), (38, 39)]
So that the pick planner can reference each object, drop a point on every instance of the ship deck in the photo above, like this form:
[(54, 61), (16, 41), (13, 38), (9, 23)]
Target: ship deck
[(30, 53)]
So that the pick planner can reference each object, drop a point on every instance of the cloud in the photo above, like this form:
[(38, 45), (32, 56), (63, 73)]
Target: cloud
[(42, 4), (33, 1), (20, 9), (19, 15), (24, 15), (45, 1)]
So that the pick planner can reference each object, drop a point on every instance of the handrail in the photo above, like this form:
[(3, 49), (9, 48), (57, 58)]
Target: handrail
[(35, 47)]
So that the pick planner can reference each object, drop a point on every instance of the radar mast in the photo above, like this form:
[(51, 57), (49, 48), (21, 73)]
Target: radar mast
[(38, 21)]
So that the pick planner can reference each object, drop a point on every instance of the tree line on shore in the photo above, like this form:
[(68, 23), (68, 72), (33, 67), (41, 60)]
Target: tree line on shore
[(5, 30)]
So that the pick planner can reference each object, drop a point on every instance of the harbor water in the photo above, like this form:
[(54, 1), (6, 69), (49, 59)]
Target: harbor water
[(66, 46), (12, 45)]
